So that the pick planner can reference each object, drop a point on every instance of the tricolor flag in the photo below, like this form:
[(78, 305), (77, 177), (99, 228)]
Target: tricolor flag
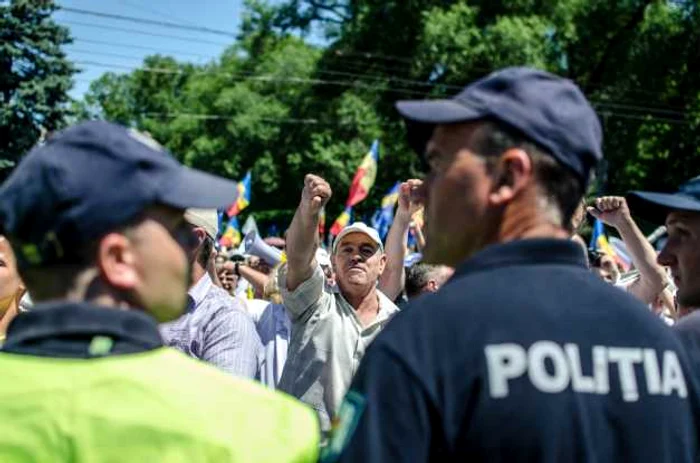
[(243, 198), (364, 177), (599, 241), (342, 221), (231, 236), (383, 218)]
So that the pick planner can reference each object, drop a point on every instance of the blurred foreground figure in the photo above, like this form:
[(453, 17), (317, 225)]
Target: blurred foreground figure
[(96, 219), (12, 289), (523, 355)]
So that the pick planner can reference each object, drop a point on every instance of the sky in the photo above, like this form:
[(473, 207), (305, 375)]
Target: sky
[(109, 44)]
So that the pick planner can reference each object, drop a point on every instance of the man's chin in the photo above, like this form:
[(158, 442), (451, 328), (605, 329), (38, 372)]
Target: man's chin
[(686, 299)]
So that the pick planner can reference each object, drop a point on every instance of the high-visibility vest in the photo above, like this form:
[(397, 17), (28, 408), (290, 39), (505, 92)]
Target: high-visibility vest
[(154, 406)]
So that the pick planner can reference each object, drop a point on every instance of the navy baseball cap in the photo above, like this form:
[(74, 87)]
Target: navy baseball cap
[(90, 179), (548, 109), (654, 207)]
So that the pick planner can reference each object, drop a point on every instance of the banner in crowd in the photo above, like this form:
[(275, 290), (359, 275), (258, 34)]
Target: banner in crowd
[(232, 235), (342, 221), (364, 177), (384, 217), (600, 243), (243, 197)]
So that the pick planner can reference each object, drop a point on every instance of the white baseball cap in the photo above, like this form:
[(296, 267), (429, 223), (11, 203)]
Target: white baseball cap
[(204, 218), (358, 227)]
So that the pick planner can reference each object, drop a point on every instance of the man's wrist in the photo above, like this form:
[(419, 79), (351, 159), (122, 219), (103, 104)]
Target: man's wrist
[(403, 217), (626, 224), (309, 211)]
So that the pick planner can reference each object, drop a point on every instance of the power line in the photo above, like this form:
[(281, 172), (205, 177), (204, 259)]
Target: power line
[(152, 34), (303, 80), (112, 55), (357, 55), (299, 80), (138, 47), (156, 12), (149, 21)]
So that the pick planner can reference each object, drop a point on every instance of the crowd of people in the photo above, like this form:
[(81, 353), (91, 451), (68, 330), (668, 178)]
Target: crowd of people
[(129, 334)]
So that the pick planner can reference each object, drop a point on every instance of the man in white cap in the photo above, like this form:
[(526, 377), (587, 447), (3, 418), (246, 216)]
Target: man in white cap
[(331, 328), (215, 327)]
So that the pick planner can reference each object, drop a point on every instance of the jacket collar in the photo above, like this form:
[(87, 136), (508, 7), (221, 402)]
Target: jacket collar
[(547, 251), (81, 330)]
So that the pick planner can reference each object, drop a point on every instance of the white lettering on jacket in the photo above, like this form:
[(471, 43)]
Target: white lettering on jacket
[(552, 368)]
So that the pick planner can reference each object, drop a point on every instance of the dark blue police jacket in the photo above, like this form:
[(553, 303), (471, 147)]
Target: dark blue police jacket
[(524, 356)]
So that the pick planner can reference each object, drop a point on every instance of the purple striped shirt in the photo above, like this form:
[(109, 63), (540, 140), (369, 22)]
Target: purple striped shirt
[(216, 329)]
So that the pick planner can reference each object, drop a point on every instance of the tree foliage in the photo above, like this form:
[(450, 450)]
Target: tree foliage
[(35, 77), (278, 104)]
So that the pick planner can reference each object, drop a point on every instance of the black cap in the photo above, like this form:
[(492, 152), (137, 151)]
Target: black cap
[(88, 180), (654, 207), (550, 110)]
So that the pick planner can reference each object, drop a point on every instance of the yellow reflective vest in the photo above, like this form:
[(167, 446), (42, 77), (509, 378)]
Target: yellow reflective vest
[(153, 406)]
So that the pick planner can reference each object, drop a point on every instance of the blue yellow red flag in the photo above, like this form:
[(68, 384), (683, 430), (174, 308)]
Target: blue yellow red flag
[(384, 216), (599, 241), (342, 221), (242, 198), (365, 176), (232, 235)]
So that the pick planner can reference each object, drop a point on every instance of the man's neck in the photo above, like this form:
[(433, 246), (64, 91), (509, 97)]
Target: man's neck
[(366, 306), (197, 273), (525, 219)]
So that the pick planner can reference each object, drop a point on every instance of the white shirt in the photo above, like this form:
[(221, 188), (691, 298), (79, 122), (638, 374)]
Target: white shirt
[(328, 342), (274, 329)]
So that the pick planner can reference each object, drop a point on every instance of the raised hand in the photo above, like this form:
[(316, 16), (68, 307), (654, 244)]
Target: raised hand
[(315, 194), (410, 198), (612, 210)]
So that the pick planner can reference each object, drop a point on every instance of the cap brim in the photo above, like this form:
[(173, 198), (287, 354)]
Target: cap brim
[(193, 188), (654, 207), (421, 117), (348, 231)]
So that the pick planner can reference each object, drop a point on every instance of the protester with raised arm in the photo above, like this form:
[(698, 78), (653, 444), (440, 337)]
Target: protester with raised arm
[(613, 211), (331, 329), (392, 280)]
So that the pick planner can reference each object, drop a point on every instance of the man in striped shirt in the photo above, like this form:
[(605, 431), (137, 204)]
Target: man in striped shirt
[(215, 327)]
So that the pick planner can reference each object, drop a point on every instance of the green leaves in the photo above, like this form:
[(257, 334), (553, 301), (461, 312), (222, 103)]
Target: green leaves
[(34, 77), (282, 107)]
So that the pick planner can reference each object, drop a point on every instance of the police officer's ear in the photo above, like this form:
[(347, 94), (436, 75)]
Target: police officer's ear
[(116, 261), (200, 236), (513, 173)]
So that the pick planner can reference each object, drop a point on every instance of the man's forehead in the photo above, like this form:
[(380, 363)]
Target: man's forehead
[(450, 137), (358, 239), (683, 217)]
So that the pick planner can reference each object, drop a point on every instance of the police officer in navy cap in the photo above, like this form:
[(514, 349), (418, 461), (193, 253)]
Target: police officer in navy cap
[(523, 355), (680, 212), (96, 219)]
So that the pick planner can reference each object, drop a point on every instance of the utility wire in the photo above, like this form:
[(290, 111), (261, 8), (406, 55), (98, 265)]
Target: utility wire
[(149, 22), (139, 32), (138, 47), (156, 12), (606, 107)]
